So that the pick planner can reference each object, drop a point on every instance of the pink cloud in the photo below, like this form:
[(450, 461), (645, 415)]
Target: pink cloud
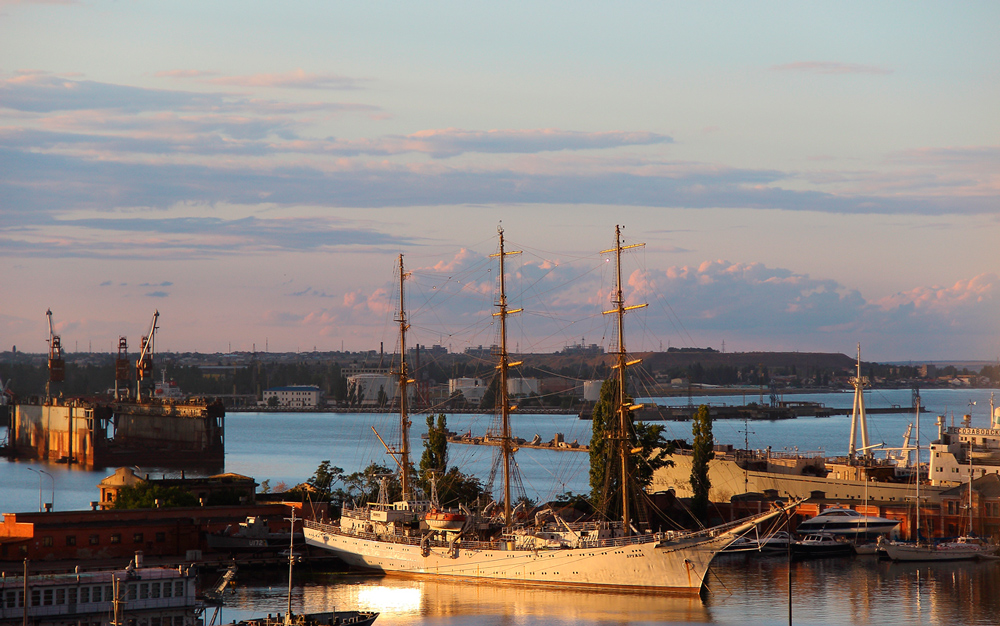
[(831, 67), (297, 79), (184, 74), (963, 293)]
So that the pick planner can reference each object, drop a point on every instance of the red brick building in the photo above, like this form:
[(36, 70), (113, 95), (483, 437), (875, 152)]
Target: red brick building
[(85, 535)]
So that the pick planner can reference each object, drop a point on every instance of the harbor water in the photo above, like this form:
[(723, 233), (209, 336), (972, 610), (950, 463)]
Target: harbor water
[(286, 448)]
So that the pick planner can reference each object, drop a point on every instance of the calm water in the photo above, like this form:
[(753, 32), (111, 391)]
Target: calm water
[(287, 447), (743, 590)]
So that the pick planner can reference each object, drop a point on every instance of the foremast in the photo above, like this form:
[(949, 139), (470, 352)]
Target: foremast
[(624, 408), (506, 441)]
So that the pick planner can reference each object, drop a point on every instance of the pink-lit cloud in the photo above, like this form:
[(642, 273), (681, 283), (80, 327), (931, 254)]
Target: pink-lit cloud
[(976, 290), (296, 79)]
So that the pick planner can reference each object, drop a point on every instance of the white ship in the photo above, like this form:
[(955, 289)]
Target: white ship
[(857, 477), (390, 537)]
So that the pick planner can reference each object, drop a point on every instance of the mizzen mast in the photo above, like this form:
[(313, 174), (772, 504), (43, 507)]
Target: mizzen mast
[(625, 409), (506, 441), (404, 380)]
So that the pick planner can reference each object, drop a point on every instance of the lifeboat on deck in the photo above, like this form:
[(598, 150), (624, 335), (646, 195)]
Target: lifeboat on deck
[(444, 520)]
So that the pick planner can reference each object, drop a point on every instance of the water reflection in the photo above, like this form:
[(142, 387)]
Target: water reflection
[(423, 600), (744, 589)]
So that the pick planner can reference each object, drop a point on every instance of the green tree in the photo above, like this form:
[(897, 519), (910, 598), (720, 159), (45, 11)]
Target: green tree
[(649, 451), (435, 455), (701, 454), (144, 496)]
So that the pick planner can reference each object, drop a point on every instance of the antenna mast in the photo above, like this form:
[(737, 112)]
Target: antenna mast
[(622, 363), (506, 447)]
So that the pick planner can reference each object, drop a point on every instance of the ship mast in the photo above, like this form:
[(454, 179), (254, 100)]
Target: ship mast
[(404, 380), (624, 410), (506, 445), (858, 414)]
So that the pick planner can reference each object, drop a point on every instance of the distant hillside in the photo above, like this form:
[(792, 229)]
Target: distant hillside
[(800, 360)]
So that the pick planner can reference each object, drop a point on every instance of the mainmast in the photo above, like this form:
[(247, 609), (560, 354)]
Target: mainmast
[(506, 445), (858, 418), (624, 410), (404, 380)]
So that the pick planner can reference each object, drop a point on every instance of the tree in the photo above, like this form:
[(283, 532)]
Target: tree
[(144, 496), (435, 455), (701, 454), (382, 398), (653, 453), (325, 477)]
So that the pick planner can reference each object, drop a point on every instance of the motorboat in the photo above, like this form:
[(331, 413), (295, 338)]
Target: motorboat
[(846, 522), (819, 545)]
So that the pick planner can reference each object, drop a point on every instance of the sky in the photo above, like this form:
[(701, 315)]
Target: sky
[(804, 176)]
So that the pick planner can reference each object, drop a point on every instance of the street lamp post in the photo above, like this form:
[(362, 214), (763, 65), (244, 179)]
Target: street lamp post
[(39, 486), (52, 499)]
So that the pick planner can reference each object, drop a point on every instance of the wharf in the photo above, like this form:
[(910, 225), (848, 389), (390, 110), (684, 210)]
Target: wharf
[(784, 410), (556, 443)]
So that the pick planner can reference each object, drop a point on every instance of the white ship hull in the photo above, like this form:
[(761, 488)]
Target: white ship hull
[(909, 552), (641, 562)]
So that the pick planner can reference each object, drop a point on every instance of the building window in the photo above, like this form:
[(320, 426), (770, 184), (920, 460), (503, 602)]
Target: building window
[(132, 591), (166, 590), (116, 538), (84, 595), (143, 591), (36, 597), (70, 540), (95, 540), (71, 595), (137, 538), (97, 594), (47, 597), (179, 589), (47, 541), (161, 537)]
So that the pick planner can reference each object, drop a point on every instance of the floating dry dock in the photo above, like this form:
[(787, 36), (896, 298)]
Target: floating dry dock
[(107, 434)]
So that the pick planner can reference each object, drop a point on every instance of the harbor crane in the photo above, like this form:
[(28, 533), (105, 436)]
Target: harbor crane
[(57, 364), (144, 364)]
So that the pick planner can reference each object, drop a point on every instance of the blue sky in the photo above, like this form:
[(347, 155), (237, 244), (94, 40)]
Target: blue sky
[(805, 175)]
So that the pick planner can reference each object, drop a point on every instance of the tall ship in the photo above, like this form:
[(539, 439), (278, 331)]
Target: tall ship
[(859, 476), (416, 537), (144, 427)]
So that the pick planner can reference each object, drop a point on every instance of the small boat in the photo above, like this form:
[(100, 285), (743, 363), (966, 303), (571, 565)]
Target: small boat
[(328, 618), (775, 542), (252, 535), (847, 522), (445, 520), (819, 545), (335, 618), (962, 549)]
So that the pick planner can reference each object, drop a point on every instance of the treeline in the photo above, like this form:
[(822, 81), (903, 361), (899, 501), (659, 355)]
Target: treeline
[(25, 379)]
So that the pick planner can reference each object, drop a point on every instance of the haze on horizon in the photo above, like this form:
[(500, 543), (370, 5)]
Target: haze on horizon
[(805, 176)]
